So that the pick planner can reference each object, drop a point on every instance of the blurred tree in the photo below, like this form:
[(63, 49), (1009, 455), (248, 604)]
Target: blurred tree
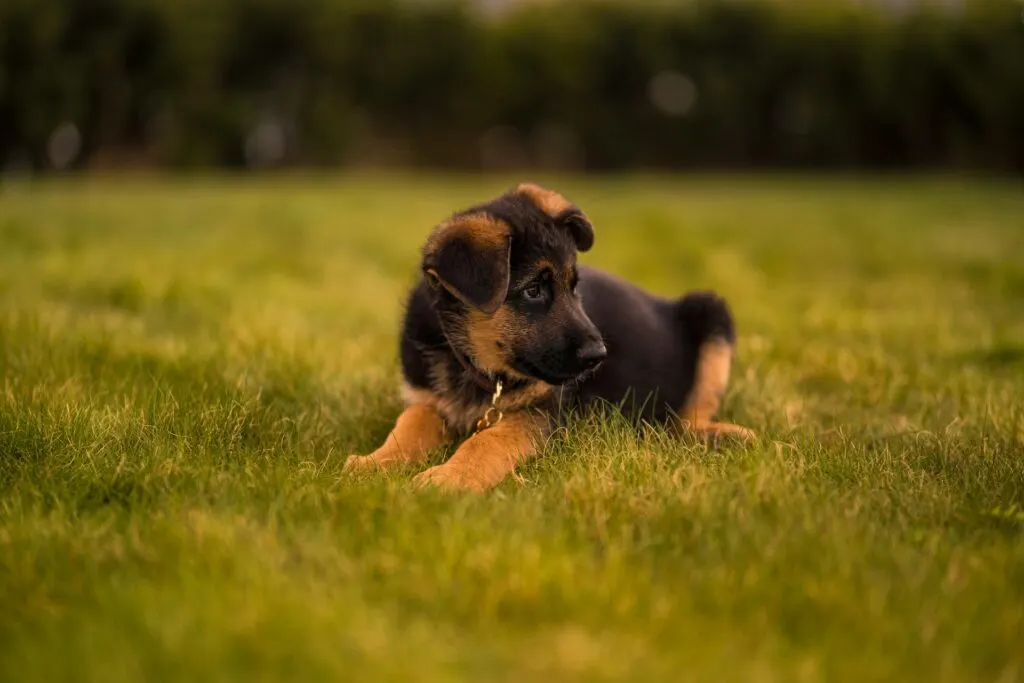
[(600, 84)]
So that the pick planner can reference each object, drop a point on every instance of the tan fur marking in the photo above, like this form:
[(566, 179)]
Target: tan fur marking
[(417, 431), (478, 227), (714, 361), (537, 268), (548, 201), (486, 458), (411, 395), (531, 395), (485, 333)]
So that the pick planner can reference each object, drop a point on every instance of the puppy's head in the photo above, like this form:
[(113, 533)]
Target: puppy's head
[(505, 275)]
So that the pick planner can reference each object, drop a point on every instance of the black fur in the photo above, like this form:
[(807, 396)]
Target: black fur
[(652, 344)]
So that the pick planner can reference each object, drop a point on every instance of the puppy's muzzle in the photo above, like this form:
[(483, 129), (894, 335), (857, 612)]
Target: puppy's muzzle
[(592, 353)]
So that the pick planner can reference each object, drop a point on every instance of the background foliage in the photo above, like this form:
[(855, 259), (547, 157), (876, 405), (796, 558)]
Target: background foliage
[(743, 83)]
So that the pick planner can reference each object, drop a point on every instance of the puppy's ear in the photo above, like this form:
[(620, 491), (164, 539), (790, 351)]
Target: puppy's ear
[(469, 256), (580, 226), (562, 211)]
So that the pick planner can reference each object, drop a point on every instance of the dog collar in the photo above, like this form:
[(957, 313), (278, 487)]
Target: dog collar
[(479, 378), (493, 414)]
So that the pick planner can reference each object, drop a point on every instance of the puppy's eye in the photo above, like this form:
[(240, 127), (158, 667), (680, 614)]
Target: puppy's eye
[(534, 293)]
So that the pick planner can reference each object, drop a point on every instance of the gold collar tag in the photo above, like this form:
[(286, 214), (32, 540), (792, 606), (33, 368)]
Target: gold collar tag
[(493, 415)]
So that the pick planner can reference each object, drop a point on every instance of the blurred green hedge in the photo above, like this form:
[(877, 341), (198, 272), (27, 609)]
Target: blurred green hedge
[(728, 83)]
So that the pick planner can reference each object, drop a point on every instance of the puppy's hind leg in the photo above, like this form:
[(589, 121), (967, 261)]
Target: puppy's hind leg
[(707, 320)]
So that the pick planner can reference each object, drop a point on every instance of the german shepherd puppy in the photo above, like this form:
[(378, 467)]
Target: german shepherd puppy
[(504, 333)]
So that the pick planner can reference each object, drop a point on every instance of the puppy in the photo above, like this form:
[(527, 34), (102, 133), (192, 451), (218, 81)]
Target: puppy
[(504, 333)]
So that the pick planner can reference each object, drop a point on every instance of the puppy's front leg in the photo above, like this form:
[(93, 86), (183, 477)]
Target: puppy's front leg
[(487, 457), (418, 429)]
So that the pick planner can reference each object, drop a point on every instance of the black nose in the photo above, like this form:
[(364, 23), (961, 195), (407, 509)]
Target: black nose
[(592, 352)]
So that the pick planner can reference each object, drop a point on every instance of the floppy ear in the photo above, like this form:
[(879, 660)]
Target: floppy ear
[(562, 211), (469, 256), (580, 226)]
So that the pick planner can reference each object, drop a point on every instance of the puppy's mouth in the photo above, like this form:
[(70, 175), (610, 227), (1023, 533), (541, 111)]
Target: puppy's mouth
[(549, 376)]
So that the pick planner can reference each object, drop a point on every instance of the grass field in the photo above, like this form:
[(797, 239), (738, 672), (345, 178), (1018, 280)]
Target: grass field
[(186, 363)]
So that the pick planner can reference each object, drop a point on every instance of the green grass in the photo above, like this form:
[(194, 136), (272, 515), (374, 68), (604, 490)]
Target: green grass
[(184, 365)]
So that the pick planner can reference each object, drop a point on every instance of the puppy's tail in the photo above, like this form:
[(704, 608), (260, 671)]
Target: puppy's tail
[(706, 316), (708, 324)]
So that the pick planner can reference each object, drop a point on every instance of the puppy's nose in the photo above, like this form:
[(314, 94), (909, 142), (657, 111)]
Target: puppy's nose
[(592, 352)]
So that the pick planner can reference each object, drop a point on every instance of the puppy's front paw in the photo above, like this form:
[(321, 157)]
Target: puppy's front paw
[(746, 434), (741, 433), (362, 463), (717, 431), (447, 478)]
